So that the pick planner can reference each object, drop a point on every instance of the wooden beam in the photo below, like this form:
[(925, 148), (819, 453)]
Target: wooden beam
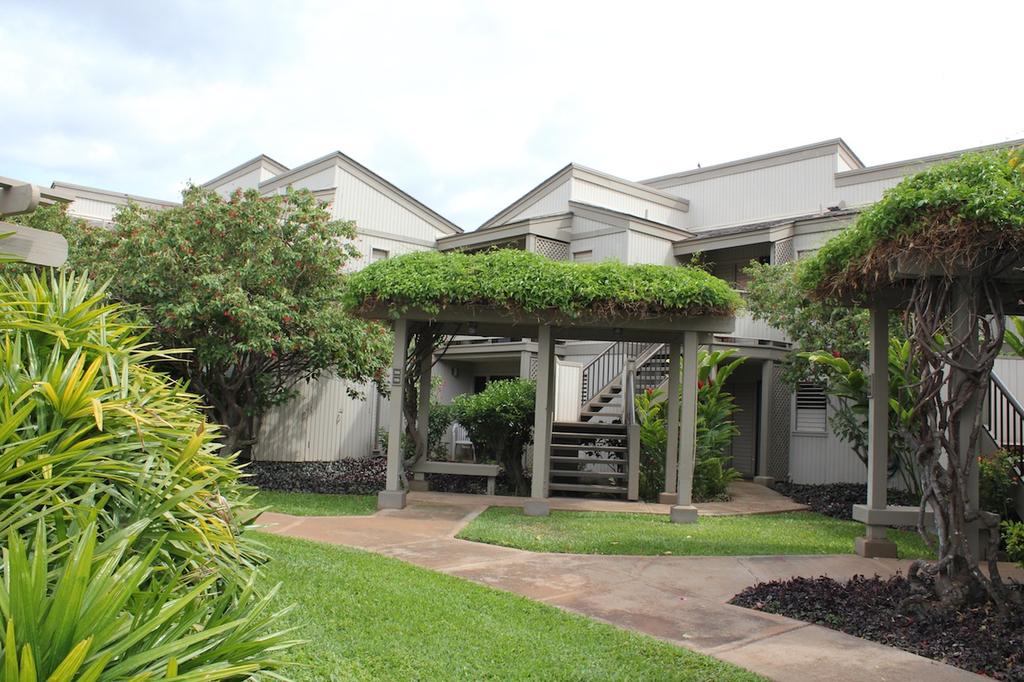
[(393, 496), (672, 421), (16, 198), (37, 247)]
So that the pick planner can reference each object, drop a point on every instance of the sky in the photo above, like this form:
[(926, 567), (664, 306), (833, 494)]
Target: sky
[(468, 105)]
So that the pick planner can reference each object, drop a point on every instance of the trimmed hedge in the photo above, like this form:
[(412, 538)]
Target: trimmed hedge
[(528, 282), (949, 213)]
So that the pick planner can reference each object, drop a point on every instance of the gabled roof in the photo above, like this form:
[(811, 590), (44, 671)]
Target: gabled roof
[(612, 182), (761, 161), (368, 176), (241, 169), (81, 191)]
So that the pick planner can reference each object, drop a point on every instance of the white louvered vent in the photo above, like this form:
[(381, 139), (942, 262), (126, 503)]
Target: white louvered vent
[(811, 409)]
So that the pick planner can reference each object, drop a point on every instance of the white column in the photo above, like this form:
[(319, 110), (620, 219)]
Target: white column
[(875, 543), (537, 505), (393, 496), (684, 511), (764, 441), (672, 425)]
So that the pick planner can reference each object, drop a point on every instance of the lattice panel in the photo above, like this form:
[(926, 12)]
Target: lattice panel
[(784, 252), (554, 250), (533, 367), (779, 426)]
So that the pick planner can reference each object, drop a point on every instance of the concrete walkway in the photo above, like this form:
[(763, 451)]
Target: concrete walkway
[(679, 599), (745, 498)]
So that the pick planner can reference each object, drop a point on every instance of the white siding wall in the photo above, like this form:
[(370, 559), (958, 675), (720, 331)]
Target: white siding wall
[(250, 180), (823, 458), (1010, 371), (568, 385), (92, 209), (590, 193), (555, 201), (791, 189), (605, 247), (865, 192), (643, 248), (321, 423)]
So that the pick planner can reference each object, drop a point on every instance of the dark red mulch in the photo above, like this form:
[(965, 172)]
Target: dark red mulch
[(979, 639), (837, 499)]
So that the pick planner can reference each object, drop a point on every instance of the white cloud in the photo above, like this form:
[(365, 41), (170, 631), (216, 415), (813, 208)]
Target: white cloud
[(466, 105)]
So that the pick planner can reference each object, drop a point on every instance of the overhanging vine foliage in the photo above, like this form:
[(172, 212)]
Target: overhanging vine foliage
[(948, 241)]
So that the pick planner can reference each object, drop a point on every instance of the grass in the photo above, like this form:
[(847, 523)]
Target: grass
[(649, 534), (368, 617), (314, 504)]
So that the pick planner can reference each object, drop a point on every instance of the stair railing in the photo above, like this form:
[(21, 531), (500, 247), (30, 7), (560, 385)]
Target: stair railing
[(1005, 417), (607, 367), (632, 429)]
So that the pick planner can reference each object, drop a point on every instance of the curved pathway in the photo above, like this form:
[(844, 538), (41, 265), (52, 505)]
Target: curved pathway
[(678, 599)]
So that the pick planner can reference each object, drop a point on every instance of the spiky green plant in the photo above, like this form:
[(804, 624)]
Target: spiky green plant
[(94, 441)]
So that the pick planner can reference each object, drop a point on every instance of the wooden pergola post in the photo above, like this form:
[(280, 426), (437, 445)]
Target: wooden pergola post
[(538, 504), (764, 441), (684, 511), (419, 481), (672, 425), (393, 495), (875, 543)]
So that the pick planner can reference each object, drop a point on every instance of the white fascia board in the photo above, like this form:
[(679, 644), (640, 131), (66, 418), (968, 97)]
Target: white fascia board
[(810, 151), (627, 221), (772, 234), (544, 188), (630, 188), (97, 194), (261, 161), (549, 227), (391, 191), (898, 169)]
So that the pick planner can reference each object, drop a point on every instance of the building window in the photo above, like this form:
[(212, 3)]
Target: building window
[(378, 254), (583, 256), (811, 409)]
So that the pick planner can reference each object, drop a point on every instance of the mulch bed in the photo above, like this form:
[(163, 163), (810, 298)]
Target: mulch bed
[(837, 499), (342, 477), (979, 639)]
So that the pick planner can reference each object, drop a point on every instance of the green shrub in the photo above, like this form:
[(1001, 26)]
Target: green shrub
[(94, 442), (499, 420), (715, 431), (650, 415), (997, 484), (440, 419), (1013, 539)]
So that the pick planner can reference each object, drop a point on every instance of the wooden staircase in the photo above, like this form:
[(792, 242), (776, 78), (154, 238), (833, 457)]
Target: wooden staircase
[(592, 457)]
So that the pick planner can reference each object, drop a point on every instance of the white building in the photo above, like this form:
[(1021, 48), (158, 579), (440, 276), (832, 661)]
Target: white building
[(772, 208)]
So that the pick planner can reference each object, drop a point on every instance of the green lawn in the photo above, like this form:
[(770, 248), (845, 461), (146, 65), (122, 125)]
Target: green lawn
[(368, 617), (649, 534), (313, 504)]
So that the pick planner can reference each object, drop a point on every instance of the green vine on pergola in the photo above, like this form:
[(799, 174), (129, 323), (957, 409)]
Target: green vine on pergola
[(946, 244), (524, 284)]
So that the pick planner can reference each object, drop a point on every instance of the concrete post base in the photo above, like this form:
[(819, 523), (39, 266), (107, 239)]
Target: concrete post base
[(536, 507), (766, 481), (683, 514), (875, 548), (668, 498), (391, 499)]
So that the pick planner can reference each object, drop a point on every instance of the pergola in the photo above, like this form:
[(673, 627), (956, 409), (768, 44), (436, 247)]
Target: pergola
[(682, 333), (877, 514)]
